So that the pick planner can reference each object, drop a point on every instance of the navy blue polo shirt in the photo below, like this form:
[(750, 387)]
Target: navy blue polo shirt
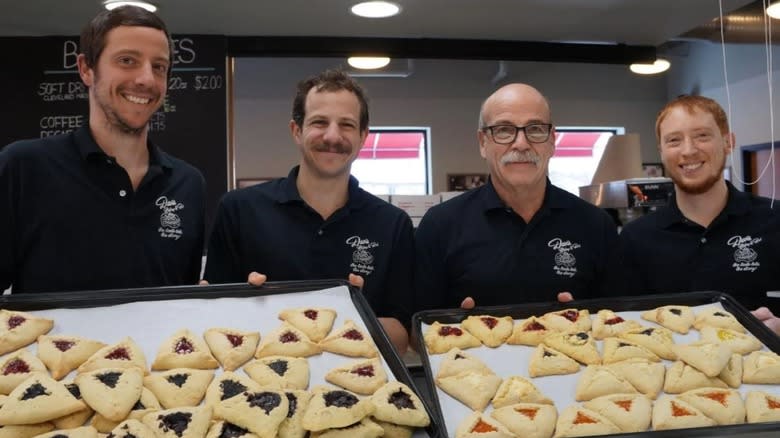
[(663, 252), (70, 220), (474, 245), (268, 228)]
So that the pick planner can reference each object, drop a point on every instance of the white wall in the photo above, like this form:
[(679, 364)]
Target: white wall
[(443, 94), (700, 71)]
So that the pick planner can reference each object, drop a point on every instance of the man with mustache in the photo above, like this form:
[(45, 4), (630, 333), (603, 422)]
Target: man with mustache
[(317, 222), (103, 207), (711, 236), (518, 238)]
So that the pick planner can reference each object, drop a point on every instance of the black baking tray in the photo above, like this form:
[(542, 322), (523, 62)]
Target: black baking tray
[(110, 297), (622, 304)]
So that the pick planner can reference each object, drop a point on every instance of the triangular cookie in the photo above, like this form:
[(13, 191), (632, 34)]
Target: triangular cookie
[(441, 338), (598, 380), (112, 392), (231, 347), (725, 406), (132, 429), (179, 387), (77, 418), (609, 324), (351, 341), (222, 429), (179, 422), (78, 432), (124, 354), (616, 350), (281, 372), (707, 357), (398, 404), (457, 361), (316, 322), (737, 342), (629, 412), (227, 385), (716, 317), (184, 350), (38, 399), (364, 428), (673, 413), (146, 404), (528, 420), (259, 412), (732, 372), (471, 388), (529, 332), (332, 408), (490, 330), (579, 346), (681, 377), (647, 377), (579, 421), (287, 341), (762, 407), (393, 430), (64, 353), (362, 377), (675, 318), (292, 426), (478, 425), (659, 340), (568, 320), (546, 361), (16, 367), (18, 329), (516, 389), (761, 367)]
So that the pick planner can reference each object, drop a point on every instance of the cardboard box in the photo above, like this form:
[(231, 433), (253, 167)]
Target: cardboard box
[(415, 205)]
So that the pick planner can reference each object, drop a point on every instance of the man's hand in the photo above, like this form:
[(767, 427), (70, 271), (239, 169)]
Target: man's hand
[(563, 297), (356, 280), (256, 278), (768, 318)]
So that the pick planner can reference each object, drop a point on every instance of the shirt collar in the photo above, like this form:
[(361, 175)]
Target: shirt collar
[(554, 197), (737, 204), (288, 191), (88, 149)]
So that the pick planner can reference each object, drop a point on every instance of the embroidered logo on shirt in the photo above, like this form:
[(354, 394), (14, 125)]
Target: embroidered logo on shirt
[(362, 259), (745, 256), (565, 262), (170, 222)]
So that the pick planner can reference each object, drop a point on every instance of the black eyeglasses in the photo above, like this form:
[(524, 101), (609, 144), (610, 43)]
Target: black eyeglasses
[(507, 134)]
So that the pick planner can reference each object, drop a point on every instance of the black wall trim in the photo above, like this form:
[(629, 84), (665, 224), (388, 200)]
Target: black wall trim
[(439, 49)]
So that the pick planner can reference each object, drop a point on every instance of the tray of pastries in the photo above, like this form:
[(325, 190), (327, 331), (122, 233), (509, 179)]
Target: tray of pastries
[(638, 366), (288, 359)]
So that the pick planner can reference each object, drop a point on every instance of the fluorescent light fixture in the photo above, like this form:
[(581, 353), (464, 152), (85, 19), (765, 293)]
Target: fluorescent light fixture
[(113, 4), (368, 62), (773, 10), (659, 66), (376, 9)]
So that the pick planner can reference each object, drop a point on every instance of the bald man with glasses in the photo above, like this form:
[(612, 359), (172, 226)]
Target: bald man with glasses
[(518, 238)]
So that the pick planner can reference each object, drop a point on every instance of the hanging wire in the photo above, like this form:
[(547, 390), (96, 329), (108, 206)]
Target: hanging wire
[(768, 56)]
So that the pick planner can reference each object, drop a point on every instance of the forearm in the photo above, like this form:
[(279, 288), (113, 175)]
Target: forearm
[(397, 334)]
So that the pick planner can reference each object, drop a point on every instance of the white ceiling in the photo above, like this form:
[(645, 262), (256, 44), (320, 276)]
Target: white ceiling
[(635, 22)]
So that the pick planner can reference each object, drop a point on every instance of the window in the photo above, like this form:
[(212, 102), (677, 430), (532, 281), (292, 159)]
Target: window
[(394, 161), (578, 151)]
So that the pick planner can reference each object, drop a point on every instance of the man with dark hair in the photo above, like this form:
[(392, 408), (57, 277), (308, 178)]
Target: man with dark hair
[(103, 207), (711, 236), (517, 238), (317, 223)]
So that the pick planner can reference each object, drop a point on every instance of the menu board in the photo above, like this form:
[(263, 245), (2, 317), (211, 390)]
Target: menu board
[(45, 96)]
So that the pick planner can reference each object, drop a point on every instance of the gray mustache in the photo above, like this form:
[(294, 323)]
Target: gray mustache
[(515, 156)]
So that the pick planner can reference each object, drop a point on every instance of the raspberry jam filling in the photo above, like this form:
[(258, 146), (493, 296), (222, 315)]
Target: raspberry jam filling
[(450, 331), (16, 366), (235, 340), (490, 322), (118, 354), (63, 345), (183, 346), (311, 314)]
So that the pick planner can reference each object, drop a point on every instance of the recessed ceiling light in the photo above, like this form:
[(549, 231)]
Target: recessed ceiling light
[(368, 62), (113, 4), (376, 9), (773, 10), (659, 66)]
